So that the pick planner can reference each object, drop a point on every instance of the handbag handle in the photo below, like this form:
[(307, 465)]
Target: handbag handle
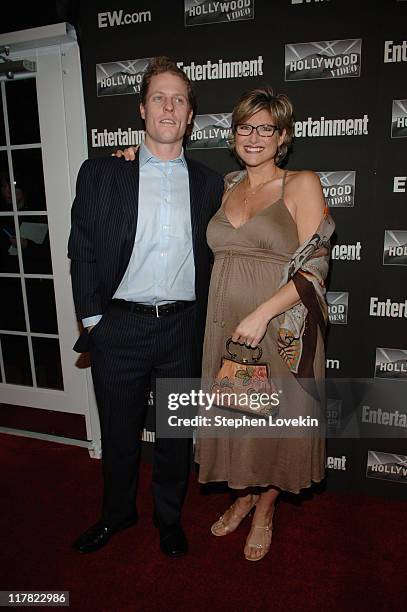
[(244, 360)]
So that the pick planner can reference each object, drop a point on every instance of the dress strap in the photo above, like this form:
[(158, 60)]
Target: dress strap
[(283, 187)]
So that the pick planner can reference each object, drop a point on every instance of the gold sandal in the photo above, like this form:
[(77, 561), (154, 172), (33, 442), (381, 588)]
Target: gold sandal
[(226, 524), (268, 529)]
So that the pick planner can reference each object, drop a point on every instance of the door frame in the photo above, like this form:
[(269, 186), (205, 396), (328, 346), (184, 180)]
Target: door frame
[(64, 147)]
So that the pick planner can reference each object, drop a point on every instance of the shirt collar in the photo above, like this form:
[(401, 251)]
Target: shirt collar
[(145, 157)]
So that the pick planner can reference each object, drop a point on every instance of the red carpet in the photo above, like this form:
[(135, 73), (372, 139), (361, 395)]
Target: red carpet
[(331, 552)]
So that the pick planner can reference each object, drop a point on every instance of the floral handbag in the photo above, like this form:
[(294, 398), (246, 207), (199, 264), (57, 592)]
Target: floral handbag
[(245, 385)]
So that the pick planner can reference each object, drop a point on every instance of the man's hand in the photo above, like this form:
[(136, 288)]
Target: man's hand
[(129, 154)]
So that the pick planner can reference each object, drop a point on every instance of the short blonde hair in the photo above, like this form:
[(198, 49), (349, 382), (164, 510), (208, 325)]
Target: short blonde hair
[(159, 65), (278, 106)]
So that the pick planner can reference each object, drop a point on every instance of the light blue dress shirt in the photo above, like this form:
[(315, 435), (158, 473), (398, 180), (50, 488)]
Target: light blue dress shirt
[(161, 267)]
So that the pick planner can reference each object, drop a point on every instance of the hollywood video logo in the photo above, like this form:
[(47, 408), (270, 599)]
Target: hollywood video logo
[(387, 466), (327, 59), (338, 188), (333, 415), (337, 307), (395, 248), (200, 12), (210, 131), (120, 78), (391, 363), (399, 119)]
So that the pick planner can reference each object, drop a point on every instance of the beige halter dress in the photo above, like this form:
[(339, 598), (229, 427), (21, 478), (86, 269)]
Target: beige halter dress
[(247, 271)]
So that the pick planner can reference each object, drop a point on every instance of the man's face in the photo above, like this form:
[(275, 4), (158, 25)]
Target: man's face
[(167, 112), (6, 191)]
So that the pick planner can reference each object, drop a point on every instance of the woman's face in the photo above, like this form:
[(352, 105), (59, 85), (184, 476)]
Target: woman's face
[(256, 150)]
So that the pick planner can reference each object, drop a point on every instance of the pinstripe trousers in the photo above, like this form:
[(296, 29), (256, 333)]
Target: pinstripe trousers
[(127, 349)]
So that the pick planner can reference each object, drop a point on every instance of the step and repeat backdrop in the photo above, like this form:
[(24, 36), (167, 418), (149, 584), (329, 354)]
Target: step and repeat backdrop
[(344, 66)]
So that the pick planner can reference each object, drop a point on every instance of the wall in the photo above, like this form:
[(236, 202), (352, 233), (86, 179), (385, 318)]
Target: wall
[(343, 64)]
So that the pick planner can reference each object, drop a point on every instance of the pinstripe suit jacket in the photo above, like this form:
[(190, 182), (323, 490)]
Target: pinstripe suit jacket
[(104, 223)]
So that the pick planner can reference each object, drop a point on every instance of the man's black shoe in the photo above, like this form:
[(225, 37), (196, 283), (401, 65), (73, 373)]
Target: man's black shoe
[(98, 535), (173, 542)]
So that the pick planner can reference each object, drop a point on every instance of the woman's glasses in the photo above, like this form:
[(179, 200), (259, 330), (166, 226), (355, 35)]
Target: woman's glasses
[(266, 129)]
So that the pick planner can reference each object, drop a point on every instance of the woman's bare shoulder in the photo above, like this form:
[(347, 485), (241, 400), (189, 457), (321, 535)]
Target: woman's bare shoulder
[(304, 194), (302, 178)]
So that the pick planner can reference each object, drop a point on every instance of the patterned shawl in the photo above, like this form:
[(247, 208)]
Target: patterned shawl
[(308, 269)]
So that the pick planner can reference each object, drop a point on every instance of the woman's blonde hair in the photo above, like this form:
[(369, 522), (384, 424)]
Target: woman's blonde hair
[(278, 106)]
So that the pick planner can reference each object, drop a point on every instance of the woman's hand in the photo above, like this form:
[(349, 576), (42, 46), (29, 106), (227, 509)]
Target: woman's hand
[(251, 330), (129, 154)]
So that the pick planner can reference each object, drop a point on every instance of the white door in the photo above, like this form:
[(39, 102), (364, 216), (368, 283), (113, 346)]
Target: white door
[(42, 144)]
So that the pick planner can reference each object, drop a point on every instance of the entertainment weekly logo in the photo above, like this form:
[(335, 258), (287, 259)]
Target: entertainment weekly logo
[(383, 418), (399, 119), (116, 138), (120, 78), (221, 69), (210, 131), (148, 436), (124, 77), (395, 248), (326, 59), (391, 363), (114, 19), (395, 53), (338, 188), (311, 128), (202, 12), (337, 307), (346, 252), (386, 466), (399, 184), (336, 463), (387, 308)]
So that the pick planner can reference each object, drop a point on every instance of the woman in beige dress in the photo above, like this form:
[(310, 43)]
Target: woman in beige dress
[(266, 214)]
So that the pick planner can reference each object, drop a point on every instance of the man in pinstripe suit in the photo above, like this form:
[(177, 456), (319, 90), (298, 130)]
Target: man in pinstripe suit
[(140, 270)]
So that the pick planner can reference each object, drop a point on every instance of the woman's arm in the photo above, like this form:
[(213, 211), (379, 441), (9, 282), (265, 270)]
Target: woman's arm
[(307, 201)]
